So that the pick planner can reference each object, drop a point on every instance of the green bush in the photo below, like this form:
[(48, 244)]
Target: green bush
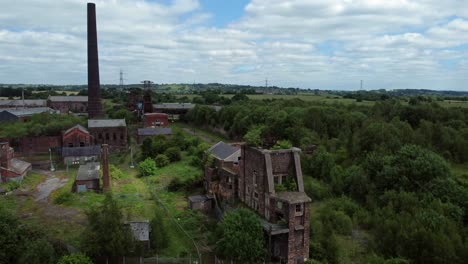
[(147, 167), (11, 185), (116, 173), (63, 198), (316, 189), (77, 258), (173, 153), (161, 160)]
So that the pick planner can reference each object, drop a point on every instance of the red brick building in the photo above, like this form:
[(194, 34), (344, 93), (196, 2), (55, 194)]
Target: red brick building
[(77, 136), (40, 144), (66, 104), (11, 169), (270, 182), (155, 120), (109, 131)]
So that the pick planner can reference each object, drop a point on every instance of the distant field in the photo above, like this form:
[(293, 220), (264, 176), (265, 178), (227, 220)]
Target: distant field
[(67, 92), (453, 103)]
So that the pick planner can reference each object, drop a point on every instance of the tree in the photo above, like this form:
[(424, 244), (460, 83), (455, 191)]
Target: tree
[(254, 136), (158, 236), (161, 160), (147, 167), (77, 258), (38, 251), (241, 236), (173, 153), (106, 235)]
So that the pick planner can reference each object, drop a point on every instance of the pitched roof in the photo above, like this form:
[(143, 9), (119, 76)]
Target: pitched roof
[(106, 123), (154, 131), (200, 198), (80, 127), (222, 150), (26, 102), (30, 111), (73, 98), (81, 151), (19, 166), (88, 171), (6, 116), (174, 106)]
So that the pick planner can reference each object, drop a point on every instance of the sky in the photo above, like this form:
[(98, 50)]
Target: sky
[(314, 44)]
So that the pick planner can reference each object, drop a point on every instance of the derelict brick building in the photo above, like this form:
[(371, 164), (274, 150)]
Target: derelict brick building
[(109, 131)]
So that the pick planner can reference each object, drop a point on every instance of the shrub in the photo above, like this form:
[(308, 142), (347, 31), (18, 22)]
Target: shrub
[(161, 160), (116, 173), (63, 198), (11, 185), (173, 153), (316, 189), (175, 185), (77, 258), (147, 167)]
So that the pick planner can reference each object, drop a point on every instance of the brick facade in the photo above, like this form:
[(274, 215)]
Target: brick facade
[(76, 136), (115, 137), (287, 213), (155, 120), (40, 144)]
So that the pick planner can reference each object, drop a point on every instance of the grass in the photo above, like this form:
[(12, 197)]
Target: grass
[(205, 135), (460, 171)]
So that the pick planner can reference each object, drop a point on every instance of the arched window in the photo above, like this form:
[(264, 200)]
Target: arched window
[(82, 144), (107, 136), (114, 136), (70, 145), (99, 136)]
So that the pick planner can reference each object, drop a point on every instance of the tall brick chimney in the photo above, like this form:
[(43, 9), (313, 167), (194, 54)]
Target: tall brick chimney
[(94, 97), (6, 154), (105, 167)]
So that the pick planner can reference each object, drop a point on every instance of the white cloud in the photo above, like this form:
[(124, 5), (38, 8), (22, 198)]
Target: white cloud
[(329, 44)]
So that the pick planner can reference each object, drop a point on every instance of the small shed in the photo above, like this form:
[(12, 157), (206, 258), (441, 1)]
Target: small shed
[(201, 202), (87, 178), (140, 231)]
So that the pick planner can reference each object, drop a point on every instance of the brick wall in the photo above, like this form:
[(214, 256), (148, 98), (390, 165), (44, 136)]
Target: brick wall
[(65, 107), (76, 138), (113, 136), (41, 144)]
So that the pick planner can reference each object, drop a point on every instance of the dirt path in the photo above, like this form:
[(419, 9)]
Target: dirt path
[(45, 188)]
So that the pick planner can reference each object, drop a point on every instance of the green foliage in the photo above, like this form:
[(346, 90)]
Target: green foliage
[(76, 258), (173, 153), (40, 125), (147, 167), (320, 165), (316, 189), (161, 160), (106, 235), (116, 173), (23, 243), (158, 236), (63, 198), (11, 185), (254, 136), (240, 236), (129, 117), (282, 144)]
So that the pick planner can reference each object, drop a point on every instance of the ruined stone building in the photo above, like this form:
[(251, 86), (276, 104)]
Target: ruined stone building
[(11, 168), (269, 182), (155, 120)]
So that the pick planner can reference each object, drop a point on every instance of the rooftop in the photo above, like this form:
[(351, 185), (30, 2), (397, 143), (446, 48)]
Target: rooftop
[(174, 106), (6, 116), (80, 127), (19, 166), (154, 131), (30, 111), (292, 197), (89, 171), (73, 98), (27, 102), (222, 150), (81, 151), (140, 230), (200, 198), (106, 123)]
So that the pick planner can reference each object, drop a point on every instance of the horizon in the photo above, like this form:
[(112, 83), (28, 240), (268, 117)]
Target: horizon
[(324, 45)]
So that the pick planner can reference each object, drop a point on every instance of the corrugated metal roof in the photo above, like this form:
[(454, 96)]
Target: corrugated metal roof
[(81, 151), (27, 102), (154, 131), (89, 171), (19, 166), (30, 111), (73, 98), (106, 123), (6, 116)]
